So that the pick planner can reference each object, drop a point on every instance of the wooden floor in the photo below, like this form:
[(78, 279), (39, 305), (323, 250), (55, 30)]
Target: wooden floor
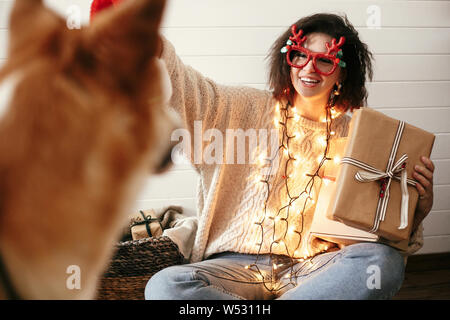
[(427, 277)]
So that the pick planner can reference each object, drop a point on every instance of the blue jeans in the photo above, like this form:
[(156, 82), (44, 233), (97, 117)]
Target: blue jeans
[(359, 271)]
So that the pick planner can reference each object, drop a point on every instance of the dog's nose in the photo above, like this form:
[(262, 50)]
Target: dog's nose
[(166, 161)]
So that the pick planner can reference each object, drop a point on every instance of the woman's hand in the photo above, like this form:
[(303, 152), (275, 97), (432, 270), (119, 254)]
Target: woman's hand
[(424, 177)]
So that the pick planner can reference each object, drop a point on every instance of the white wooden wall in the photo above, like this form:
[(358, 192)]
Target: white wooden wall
[(228, 41)]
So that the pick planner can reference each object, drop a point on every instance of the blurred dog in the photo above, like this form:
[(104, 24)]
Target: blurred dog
[(82, 124)]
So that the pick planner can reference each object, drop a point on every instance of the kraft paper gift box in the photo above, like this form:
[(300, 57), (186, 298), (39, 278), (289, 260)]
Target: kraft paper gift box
[(323, 227), (374, 188), (145, 224)]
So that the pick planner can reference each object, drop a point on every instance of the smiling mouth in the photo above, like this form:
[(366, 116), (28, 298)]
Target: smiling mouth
[(309, 82)]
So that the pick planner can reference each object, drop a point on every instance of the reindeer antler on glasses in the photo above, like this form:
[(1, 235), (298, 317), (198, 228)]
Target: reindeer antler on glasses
[(337, 49), (296, 40)]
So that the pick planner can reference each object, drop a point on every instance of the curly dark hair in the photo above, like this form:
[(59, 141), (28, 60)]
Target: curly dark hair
[(357, 56)]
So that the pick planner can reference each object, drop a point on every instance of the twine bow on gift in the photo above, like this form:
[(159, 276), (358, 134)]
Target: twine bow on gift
[(147, 221), (369, 174)]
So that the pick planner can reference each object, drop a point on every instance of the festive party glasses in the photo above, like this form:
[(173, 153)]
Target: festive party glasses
[(324, 63)]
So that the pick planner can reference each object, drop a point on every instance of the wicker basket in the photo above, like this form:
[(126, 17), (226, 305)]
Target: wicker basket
[(133, 263)]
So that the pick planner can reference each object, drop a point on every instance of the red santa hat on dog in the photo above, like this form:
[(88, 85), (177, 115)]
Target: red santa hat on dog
[(99, 5)]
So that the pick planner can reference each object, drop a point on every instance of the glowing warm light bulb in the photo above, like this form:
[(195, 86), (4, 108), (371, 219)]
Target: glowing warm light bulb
[(337, 159), (261, 159), (326, 181), (319, 159), (258, 221), (259, 178), (322, 141), (276, 122), (334, 113), (332, 133)]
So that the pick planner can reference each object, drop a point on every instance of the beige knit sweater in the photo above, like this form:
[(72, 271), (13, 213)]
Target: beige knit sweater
[(230, 198)]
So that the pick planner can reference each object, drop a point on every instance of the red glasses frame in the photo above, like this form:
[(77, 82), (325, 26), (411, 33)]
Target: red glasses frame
[(295, 44), (314, 56)]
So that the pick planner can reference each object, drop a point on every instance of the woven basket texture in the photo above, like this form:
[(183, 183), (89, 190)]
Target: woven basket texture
[(133, 264)]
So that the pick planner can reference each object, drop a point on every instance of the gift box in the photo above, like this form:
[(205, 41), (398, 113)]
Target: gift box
[(374, 188), (322, 227), (145, 224)]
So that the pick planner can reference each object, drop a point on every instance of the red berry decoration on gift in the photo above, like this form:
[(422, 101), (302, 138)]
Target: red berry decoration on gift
[(383, 187)]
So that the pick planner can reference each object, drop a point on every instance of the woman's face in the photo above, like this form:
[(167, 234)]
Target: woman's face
[(318, 85)]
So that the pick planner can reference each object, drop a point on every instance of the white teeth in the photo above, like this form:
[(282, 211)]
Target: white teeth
[(309, 80)]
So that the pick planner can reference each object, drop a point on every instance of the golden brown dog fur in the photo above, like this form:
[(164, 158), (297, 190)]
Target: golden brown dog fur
[(85, 126)]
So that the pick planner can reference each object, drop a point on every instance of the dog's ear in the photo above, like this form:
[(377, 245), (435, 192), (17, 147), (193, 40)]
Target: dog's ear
[(32, 25), (125, 36)]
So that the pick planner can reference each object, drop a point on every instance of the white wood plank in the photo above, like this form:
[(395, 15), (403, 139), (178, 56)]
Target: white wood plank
[(442, 172), (406, 40), (435, 244), (189, 205), (409, 94), (181, 184), (204, 13), (5, 9), (3, 43), (436, 120), (182, 167), (441, 198), (411, 67), (437, 223), (207, 13), (258, 40), (62, 7), (441, 149)]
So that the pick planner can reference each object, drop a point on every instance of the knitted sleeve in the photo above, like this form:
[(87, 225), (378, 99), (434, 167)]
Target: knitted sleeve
[(416, 240), (203, 104)]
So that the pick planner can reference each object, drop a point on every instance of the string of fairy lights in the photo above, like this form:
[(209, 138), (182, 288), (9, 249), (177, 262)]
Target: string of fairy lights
[(287, 114)]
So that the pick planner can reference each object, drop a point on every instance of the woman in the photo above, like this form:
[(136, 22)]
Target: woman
[(228, 240)]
